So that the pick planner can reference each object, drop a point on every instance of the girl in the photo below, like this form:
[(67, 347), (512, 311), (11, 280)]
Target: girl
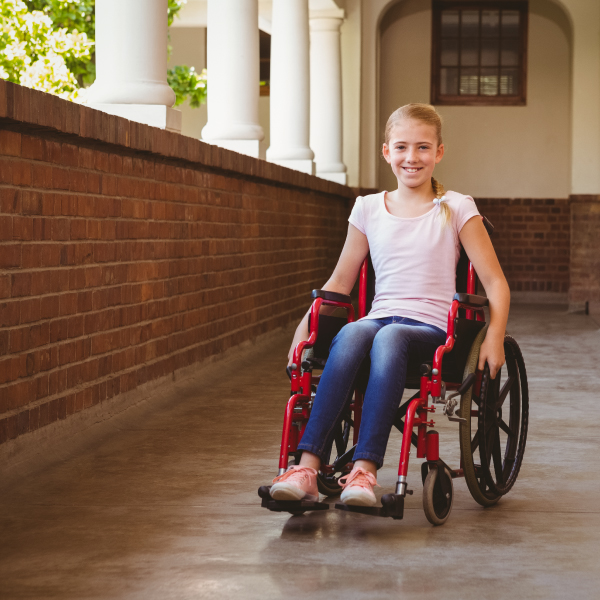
[(414, 235)]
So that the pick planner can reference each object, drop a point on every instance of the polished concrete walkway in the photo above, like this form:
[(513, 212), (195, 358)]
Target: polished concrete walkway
[(161, 502)]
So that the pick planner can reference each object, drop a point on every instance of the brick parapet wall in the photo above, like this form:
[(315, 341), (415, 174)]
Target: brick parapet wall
[(585, 252), (532, 240), (127, 252)]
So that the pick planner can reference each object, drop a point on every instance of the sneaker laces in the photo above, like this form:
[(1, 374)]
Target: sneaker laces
[(359, 477), (296, 474)]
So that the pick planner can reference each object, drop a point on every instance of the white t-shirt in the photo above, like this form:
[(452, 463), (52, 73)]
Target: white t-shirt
[(414, 258)]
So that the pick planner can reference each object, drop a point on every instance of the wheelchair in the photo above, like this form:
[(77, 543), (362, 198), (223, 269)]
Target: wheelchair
[(492, 414)]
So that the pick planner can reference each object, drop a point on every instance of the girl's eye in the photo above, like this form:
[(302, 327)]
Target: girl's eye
[(424, 147), (399, 147)]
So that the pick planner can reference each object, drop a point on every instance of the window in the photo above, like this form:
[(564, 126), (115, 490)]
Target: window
[(265, 63), (479, 52)]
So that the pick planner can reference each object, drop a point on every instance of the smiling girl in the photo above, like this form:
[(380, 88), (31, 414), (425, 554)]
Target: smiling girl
[(414, 235)]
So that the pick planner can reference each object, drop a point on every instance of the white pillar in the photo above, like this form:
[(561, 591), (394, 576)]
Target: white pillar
[(290, 83), (233, 73), (326, 95), (131, 63)]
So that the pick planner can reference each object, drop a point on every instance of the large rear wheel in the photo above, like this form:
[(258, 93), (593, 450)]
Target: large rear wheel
[(469, 434), (502, 420)]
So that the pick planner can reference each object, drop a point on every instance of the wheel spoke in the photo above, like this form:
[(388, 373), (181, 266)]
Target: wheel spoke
[(475, 442), (506, 428), (498, 460), (504, 392)]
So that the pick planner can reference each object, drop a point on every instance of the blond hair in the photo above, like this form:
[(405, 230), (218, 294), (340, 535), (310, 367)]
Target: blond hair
[(425, 113)]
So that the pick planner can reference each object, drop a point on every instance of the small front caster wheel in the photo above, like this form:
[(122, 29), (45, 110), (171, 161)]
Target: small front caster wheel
[(438, 495)]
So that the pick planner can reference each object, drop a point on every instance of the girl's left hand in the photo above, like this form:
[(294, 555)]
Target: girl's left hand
[(492, 351)]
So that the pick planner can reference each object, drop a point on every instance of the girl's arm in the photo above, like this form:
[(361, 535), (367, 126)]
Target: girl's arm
[(342, 280), (479, 249)]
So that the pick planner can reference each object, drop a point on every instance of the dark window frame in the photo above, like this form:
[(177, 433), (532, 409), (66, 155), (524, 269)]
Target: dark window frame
[(478, 100)]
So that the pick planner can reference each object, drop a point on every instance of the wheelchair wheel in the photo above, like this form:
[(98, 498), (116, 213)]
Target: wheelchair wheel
[(469, 434), (437, 504), (503, 419)]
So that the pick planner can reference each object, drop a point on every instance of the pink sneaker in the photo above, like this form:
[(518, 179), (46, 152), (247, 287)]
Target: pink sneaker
[(358, 488), (297, 483)]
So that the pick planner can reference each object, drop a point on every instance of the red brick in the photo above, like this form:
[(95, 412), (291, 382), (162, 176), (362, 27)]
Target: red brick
[(31, 203), (12, 429), (21, 173), (60, 178), (20, 284), (10, 142), (6, 228), (30, 310), (23, 228), (32, 148), (10, 314), (10, 200), (10, 256)]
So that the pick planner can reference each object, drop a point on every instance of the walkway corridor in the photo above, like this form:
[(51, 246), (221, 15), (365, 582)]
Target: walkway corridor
[(160, 503)]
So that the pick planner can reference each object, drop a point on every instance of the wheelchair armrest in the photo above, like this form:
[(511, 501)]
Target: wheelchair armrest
[(332, 296), (472, 300)]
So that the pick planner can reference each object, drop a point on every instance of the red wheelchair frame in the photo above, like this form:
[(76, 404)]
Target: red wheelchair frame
[(499, 478)]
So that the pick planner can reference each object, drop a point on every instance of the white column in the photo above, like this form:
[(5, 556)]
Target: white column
[(326, 94), (131, 63), (290, 86), (233, 74)]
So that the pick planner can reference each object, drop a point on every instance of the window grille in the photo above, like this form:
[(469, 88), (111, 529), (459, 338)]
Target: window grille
[(479, 52)]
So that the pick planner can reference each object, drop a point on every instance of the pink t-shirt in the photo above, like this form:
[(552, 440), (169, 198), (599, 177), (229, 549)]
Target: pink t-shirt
[(414, 259)]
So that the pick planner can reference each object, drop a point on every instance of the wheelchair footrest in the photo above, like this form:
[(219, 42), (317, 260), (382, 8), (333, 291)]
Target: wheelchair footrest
[(392, 505), (291, 506)]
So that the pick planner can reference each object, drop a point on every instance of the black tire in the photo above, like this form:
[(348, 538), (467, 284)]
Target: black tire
[(436, 504), (503, 420), (469, 434)]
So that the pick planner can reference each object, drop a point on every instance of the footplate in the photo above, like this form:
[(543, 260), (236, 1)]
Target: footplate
[(292, 506), (392, 505)]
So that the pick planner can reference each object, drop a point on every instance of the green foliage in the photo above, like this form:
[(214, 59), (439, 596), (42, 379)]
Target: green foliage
[(72, 15), (173, 8), (49, 45), (36, 53), (187, 83)]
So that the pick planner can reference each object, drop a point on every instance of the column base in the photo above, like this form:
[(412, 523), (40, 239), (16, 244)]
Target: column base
[(155, 115), (304, 166), (252, 148), (341, 178)]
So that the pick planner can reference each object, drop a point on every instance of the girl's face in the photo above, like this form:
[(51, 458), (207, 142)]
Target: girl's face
[(413, 152)]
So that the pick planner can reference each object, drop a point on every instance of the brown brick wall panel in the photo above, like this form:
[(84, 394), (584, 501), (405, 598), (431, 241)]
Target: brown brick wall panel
[(532, 241), (585, 253), (128, 252)]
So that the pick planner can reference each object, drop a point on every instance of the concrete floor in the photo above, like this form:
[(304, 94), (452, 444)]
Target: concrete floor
[(161, 501)]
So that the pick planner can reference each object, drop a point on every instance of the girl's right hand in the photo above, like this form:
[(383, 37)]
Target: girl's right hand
[(301, 335)]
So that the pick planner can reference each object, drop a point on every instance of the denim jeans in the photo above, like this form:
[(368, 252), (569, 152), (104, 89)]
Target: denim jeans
[(388, 343)]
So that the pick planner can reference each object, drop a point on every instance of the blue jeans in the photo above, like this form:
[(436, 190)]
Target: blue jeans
[(388, 343)]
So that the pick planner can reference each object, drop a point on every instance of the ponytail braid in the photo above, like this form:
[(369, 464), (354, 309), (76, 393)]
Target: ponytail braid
[(438, 190)]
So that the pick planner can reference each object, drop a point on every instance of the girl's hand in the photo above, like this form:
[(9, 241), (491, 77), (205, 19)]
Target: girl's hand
[(301, 335), (492, 351)]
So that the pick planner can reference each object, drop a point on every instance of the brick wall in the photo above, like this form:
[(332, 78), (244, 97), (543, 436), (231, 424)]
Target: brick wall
[(585, 253), (532, 240), (127, 252)]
